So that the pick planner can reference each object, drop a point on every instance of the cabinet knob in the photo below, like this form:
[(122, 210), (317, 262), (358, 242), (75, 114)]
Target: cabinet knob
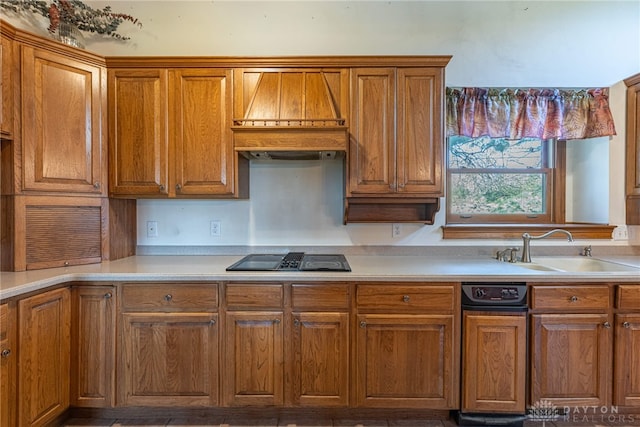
[(6, 352), (607, 325), (108, 295), (276, 321), (66, 263), (178, 187), (161, 187), (626, 325), (573, 298), (406, 298), (96, 185), (363, 324), (212, 321), (168, 297), (296, 322)]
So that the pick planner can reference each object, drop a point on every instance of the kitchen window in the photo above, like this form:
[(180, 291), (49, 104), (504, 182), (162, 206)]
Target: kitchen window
[(507, 158)]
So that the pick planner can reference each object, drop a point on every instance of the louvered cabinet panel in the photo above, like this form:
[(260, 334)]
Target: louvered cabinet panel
[(58, 231)]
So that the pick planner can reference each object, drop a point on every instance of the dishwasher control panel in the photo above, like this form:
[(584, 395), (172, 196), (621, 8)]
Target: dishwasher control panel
[(482, 294)]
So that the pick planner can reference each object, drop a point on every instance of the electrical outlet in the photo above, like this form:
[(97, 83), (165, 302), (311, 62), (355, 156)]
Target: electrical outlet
[(215, 228), (152, 228), (396, 230), (620, 233)]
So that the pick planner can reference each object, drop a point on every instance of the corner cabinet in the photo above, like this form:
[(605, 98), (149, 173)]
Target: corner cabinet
[(633, 150), (170, 134), (397, 144), (63, 116), (44, 329)]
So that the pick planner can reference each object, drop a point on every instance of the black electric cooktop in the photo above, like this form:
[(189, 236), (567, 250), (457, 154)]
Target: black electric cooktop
[(292, 261)]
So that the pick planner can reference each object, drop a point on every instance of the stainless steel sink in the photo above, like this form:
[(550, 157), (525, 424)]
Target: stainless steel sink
[(576, 265)]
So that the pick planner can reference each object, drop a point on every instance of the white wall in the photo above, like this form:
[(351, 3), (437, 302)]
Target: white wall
[(493, 43)]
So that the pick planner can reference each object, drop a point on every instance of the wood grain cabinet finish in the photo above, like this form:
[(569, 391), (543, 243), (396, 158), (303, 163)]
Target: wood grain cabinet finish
[(64, 117), (571, 344), (253, 345), (626, 350), (169, 357), (93, 348), (8, 364), (633, 150), (320, 347), (407, 356), (396, 127), (494, 352), (7, 80), (170, 134), (44, 363)]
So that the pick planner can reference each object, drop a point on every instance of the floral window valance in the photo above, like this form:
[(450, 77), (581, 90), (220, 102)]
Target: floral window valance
[(534, 113)]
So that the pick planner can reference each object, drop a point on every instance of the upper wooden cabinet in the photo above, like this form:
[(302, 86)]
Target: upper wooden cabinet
[(396, 148), (633, 150), (7, 79), (170, 133), (63, 115), (397, 142)]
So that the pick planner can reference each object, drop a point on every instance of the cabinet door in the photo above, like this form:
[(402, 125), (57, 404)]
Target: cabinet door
[(633, 150), (200, 124), (419, 134), (494, 362), (372, 151), (321, 359), (627, 360), (138, 145), (405, 361), (169, 359), (43, 368), (8, 356), (571, 358), (93, 346), (6, 87), (63, 130), (253, 371)]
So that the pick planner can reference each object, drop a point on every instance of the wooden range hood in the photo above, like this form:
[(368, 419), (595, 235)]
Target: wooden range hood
[(290, 111)]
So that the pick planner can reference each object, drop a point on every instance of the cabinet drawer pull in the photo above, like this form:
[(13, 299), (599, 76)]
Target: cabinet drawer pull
[(573, 298), (6, 352), (406, 298), (108, 295), (96, 185), (168, 297), (363, 324), (626, 325), (607, 325), (178, 187)]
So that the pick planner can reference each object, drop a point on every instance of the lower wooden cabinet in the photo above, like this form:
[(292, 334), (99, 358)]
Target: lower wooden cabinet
[(169, 345), (571, 359), (44, 365), (8, 355), (406, 359), (93, 348), (494, 361), (626, 350)]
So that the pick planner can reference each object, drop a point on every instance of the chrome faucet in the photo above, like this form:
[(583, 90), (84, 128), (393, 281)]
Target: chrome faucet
[(527, 238)]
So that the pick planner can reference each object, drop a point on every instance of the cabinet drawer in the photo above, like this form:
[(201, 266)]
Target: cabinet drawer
[(320, 297), (628, 297), (570, 297), (241, 295), (170, 297), (390, 297)]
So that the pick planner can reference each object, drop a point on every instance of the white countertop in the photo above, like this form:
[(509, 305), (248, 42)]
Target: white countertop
[(364, 268)]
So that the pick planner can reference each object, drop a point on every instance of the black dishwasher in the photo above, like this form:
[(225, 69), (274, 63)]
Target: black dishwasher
[(494, 349)]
